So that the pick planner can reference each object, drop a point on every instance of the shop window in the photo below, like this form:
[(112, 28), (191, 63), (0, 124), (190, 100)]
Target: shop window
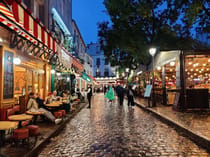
[(106, 61), (106, 72), (197, 73), (20, 82), (30, 79), (98, 61), (36, 83), (98, 74)]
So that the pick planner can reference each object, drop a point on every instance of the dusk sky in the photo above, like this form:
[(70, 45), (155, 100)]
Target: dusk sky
[(87, 13)]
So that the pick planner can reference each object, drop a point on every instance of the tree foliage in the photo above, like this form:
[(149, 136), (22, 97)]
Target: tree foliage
[(137, 25)]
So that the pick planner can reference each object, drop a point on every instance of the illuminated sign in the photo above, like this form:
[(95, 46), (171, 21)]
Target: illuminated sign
[(60, 22)]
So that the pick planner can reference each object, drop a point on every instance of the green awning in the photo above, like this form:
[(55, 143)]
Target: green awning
[(86, 77)]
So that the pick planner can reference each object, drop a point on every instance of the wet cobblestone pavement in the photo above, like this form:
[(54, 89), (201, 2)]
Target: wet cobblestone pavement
[(111, 130)]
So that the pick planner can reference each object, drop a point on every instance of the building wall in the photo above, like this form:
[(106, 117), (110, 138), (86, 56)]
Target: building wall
[(88, 64), (39, 9), (93, 49), (64, 8), (79, 44)]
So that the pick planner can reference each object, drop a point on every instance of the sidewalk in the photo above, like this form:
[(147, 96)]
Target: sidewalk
[(47, 130), (195, 125)]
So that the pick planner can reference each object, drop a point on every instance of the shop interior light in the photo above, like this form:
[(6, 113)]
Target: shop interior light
[(171, 70), (186, 70), (191, 69), (58, 74), (1, 40), (17, 61), (204, 65), (195, 65), (172, 63), (159, 68), (53, 71), (190, 63), (209, 60), (68, 79), (196, 69)]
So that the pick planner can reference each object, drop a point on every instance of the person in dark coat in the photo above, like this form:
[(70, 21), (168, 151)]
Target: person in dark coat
[(130, 95), (120, 94), (89, 95)]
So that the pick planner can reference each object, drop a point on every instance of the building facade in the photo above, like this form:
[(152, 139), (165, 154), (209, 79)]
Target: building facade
[(102, 71), (101, 66)]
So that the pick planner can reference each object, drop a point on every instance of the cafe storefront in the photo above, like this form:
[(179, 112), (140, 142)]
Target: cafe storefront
[(27, 52), (182, 79)]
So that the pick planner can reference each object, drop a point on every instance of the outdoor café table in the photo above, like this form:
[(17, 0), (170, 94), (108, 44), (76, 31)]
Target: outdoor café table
[(20, 118), (54, 104), (35, 114), (6, 125)]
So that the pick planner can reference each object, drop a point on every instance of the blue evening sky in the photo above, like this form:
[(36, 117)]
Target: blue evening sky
[(87, 13)]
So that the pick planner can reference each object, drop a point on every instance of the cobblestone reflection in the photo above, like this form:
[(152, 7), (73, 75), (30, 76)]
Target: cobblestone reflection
[(110, 130)]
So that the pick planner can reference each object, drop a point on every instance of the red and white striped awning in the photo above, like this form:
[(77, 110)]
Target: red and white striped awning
[(8, 19), (21, 20)]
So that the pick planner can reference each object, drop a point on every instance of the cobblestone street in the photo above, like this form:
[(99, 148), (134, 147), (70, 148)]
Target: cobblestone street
[(112, 130)]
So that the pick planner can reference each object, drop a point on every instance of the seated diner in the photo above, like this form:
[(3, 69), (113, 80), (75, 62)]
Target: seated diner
[(32, 106)]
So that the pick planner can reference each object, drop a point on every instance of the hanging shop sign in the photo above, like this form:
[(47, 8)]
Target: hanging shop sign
[(86, 77), (65, 59)]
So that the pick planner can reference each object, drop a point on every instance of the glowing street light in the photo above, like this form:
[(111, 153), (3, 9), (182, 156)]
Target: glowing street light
[(152, 52)]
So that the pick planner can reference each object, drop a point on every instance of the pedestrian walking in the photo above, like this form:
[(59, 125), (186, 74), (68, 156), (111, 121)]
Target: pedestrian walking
[(89, 95), (110, 94), (130, 96), (120, 94), (105, 88)]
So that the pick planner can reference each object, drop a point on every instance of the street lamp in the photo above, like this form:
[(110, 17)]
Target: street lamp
[(127, 74), (152, 52)]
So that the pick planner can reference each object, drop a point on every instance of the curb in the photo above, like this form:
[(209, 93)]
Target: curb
[(198, 139), (36, 150)]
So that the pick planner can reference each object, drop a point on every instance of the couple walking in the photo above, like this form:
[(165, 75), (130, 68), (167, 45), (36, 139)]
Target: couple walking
[(121, 92)]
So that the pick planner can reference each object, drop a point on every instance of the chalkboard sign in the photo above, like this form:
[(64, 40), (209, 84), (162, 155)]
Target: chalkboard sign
[(8, 75), (148, 91)]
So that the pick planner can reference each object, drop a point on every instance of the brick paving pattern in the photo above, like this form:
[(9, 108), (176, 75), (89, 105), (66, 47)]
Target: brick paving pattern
[(110, 130)]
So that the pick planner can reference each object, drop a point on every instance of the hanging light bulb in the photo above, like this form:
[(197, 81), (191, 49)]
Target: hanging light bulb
[(53, 71), (172, 63), (17, 61), (159, 68)]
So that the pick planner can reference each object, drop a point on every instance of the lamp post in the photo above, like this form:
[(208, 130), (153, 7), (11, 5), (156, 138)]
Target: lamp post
[(152, 52), (127, 74)]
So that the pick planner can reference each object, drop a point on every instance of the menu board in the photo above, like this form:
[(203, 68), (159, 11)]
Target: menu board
[(148, 91), (8, 75)]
